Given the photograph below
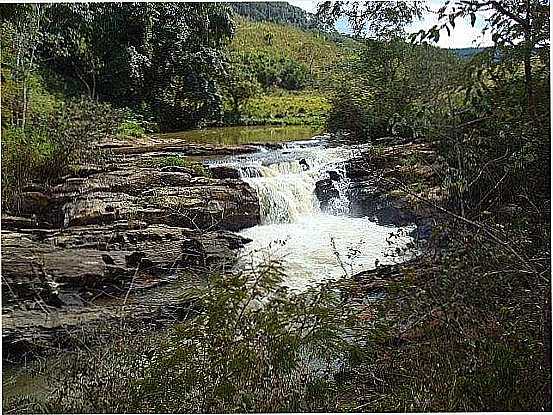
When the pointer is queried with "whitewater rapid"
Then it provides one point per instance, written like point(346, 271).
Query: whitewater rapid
point(311, 244)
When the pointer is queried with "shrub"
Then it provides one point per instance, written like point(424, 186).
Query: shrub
point(130, 129)
point(198, 168)
point(44, 151)
point(245, 346)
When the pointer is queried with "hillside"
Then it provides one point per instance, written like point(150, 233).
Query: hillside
point(276, 12)
point(314, 49)
point(466, 53)
point(272, 53)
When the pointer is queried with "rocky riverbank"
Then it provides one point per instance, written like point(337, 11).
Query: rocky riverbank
point(86, 250)
point(122, 239)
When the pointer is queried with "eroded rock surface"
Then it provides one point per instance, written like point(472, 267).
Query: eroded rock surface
point(106, 236)
point(378, 183)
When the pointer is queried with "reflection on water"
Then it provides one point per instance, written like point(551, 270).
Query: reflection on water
point(244, 135)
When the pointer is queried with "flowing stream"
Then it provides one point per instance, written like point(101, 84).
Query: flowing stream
point(313, 244)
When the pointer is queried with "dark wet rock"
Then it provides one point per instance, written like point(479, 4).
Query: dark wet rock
point(18, 222)
point(224, 172)
point(303, 164)
point(334, 176)
point(326, 191)
point(370, 199)
point(34, 202)
point(179, 169)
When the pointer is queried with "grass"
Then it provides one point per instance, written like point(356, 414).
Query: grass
point(197, 168)
point(301, 108)
point(130, 129)
point(313, 49)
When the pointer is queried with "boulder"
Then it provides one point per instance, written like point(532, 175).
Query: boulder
point(325, 191)
point(224, 172)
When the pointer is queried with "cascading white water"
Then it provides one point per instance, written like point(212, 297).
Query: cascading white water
point(312, 244)
point(286, 189)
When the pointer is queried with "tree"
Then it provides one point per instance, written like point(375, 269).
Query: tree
point(162, 58)
point(26, 22)
point(521, 25)
point(240, 83)
point(381, 19)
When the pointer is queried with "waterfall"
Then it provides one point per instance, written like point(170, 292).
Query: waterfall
point(285, 191)
point(314, 240)
point(286, 188)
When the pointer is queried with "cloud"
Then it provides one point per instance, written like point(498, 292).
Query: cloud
point(462, 36)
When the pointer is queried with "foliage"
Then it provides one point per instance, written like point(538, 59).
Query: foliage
point(245, 345)
point(161, 59)
point(469, 329)
point(240, 84)
point(273, 70)
point(45, 150)
point(518, 31)
point(276, 12)
point(389, 90)
point(286, 108)
point(268, 42)
point(169, 161)
point(382, 20)
point(130, 129)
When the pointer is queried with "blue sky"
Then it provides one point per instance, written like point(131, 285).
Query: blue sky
point(463, 36)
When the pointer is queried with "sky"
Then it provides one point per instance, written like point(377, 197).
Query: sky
point(463, 36)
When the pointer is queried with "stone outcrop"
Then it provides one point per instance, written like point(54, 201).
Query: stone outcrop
point(109, 235)
point(377, 178)
point(93, 258)
point(325, 192)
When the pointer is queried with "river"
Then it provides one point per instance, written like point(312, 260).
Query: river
point(312, 243)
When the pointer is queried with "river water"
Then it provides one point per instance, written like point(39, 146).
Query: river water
point(312, 244)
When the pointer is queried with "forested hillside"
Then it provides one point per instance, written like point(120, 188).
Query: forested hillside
point(282, 74)
point(276, 12)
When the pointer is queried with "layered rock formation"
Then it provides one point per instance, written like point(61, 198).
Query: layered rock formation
point(99, 240)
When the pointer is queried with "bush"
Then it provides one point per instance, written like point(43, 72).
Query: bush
point(245, 346)
point(45, 150)
point(130, 129)
point(198, 168)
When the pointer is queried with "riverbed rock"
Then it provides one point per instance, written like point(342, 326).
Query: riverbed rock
point(326, 191)
point(378, 178)
point(224, 172)
point(116, 230)
point(96, 257)
point(231, 206)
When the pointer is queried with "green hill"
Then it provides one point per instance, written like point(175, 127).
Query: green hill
point(314, 49)
point(317, 54)
point(276, 12)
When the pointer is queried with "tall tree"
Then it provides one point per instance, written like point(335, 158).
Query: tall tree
point(380, 19)
point(26, 23)
point(521, 25)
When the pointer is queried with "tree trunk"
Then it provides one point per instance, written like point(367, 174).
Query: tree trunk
point(527, 61)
